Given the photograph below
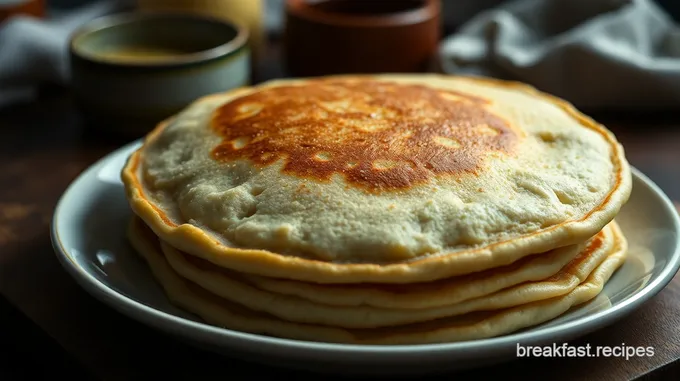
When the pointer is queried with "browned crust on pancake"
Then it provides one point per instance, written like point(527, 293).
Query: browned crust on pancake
point(359, 129)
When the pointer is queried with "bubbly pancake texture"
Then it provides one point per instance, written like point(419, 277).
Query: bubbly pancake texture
point(387, 179)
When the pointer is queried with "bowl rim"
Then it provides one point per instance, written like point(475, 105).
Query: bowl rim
point(237, 43)
point(305, 9)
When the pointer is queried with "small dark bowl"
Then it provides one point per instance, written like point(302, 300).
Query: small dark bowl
point(360, 36)
point(131, 94)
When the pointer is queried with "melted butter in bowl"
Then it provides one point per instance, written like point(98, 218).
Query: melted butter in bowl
point(135, 53)
point(130, 71)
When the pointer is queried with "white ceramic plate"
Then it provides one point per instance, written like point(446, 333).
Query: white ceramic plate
point(88, 233)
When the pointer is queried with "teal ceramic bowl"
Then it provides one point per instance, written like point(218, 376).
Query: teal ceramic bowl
point(130, 71)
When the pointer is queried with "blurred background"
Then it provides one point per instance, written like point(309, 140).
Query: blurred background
point(598, 54)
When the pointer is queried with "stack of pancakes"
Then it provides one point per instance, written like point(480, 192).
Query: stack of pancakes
point(390, 209)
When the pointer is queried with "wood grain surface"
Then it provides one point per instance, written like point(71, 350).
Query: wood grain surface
point(44, 146)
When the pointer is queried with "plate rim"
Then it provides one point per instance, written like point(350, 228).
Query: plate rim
point(224, 337)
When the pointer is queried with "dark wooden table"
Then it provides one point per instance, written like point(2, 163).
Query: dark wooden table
point(50, 327)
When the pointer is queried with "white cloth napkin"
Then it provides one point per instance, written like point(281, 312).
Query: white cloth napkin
point(35, 51)
point(612, 54)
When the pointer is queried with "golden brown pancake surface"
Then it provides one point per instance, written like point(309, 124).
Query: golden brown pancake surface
point(378, 135)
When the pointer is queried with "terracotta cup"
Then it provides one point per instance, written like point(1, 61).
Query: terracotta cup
point(360, 36)
point(8, 8)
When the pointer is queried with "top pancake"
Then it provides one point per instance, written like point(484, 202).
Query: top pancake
point(388, 179)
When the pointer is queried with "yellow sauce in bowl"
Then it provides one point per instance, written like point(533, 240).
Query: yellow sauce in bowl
point(142, 53)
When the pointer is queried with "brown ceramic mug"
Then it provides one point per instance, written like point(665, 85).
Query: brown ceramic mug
point(360, 36)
